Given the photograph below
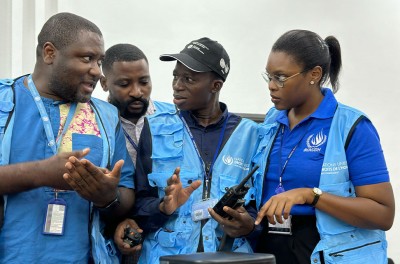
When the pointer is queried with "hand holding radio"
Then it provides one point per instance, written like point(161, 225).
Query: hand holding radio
point(234, 196)
point(132, 237)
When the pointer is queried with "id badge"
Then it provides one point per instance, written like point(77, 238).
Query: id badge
point(284, 229)
point(55, 217)
point(200, 209)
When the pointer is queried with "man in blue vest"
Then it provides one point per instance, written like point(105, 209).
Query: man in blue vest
point(206, 149)
point(126, 76)
point(52, 215)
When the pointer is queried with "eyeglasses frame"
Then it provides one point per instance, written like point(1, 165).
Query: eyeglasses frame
point(268, 79)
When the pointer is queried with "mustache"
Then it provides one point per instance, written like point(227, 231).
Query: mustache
point(142, 100)
point(124, 104)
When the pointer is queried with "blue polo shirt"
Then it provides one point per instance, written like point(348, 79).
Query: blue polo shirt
point(307, 141)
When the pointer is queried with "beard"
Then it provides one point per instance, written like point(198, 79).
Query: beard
point(123, 107)
point(66, 91)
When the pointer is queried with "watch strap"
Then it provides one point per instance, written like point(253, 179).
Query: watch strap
point(113, 204)
point(316, 197)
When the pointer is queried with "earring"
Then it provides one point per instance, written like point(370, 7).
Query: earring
point(312, 82)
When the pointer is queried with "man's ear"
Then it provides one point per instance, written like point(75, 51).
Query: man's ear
point(49, 52)
point(217, 85)
point(103, 82)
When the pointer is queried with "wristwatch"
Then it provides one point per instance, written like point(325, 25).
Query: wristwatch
point(317, 193)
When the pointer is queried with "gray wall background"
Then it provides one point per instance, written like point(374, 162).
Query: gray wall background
point(368, 30)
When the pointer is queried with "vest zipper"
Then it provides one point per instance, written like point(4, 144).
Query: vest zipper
point(338, 254)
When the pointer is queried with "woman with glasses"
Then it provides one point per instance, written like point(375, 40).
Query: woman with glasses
point(323, 187)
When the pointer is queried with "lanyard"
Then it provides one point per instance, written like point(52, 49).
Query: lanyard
point(134, 145)
point(279, 188)
point(221, 137)
point(52, 142)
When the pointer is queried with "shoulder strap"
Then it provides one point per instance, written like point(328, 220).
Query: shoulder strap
point(349, 136)
point(12, 110)
point(13, 100)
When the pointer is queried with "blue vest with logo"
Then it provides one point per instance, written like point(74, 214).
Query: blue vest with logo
point(340, 242)
point(172, 147)
point(102, 250)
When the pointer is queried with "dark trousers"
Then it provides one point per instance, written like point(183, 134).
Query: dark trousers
point(291, 249)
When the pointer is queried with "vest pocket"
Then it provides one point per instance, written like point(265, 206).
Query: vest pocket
point(170, 239)
point(159, 180)
point(364, 251)
point(5, 109)
point(226, 182)
point(344, 251)
point(95, 143)
point(344, 189)
point(167, 145)
point(167, 141)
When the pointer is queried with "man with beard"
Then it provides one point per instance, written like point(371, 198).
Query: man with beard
point(52, 211)
point(127, 79)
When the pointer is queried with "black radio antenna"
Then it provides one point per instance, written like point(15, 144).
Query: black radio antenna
point(245, 179)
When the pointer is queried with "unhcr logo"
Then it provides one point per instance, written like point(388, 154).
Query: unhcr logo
point(227, 159)
point(314, 142)
point(235, 161)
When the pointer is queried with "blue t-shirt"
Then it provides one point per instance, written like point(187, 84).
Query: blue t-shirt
point(25, 212)
point(307, 141)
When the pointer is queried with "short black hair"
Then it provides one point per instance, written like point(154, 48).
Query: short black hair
point(62, 29)
point(122, 52)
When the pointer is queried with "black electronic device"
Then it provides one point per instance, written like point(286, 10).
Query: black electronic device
point(234, 196)
point(219, 257)
point(132, 237)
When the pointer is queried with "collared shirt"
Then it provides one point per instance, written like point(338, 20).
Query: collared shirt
point(207, 138)
point(134, 130)
point(364, 153)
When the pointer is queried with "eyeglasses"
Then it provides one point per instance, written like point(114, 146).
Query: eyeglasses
point(278, 80)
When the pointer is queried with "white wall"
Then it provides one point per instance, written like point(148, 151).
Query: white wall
point(368, 30)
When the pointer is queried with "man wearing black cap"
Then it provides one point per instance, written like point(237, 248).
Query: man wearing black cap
point(206, 148)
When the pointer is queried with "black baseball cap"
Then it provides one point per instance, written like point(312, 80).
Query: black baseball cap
point(203, 55)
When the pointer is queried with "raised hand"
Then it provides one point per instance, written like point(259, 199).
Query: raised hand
point(175, 194)
point(91, 182)
point(54, 167)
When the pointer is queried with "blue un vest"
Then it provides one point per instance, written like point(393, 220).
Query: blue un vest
point(102, 250)
point(172, 147)
point(340, 242)
point(164, 107)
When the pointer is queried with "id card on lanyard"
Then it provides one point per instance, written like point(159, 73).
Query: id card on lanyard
point(55, 216)
point(286, 227)
point(200, 208)
point(56, 208)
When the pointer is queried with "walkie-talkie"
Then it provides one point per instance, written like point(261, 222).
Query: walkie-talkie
point(234, 196)
point(132, 237)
